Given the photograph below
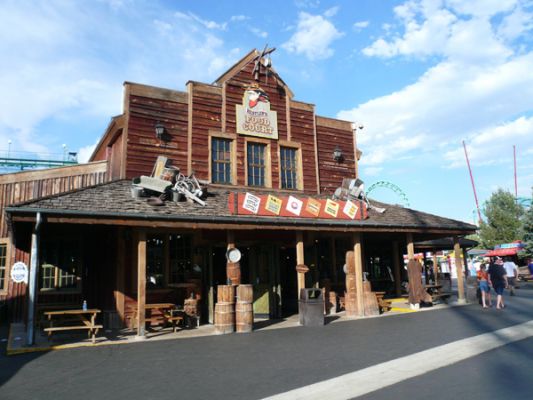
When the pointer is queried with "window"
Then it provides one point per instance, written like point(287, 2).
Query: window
point(288, 169)
point(256, 164)
point(60, 265)
point(220, 160)
point(181, 267)
point(155, 262)
point(3, 268)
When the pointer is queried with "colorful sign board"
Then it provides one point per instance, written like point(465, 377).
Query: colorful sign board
point(295, 207)
point(254, 117)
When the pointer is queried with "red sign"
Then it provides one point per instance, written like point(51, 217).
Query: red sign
point(295, 207)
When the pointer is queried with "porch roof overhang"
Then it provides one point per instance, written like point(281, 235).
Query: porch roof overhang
point(112, 204)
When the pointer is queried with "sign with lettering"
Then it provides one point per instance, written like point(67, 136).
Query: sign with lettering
point(254, 117)
point(251, 203)
point(19, 272)
point(295, 207)
point(273, 204)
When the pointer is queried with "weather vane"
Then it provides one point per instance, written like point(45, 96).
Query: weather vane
point(262, 62)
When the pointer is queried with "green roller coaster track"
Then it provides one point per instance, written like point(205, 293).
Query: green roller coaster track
point(391, 186)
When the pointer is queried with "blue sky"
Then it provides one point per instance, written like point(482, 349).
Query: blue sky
point(421, 76)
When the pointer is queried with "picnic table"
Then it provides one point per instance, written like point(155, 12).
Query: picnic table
point(66, 320)
point(436, 293)
point(162, 312)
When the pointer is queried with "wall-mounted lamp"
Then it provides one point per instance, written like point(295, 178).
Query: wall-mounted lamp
point(159, 130)
point(337, 154)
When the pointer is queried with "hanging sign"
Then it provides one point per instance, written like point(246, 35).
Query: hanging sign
point(254, 117)
point(292, 206)
point(19, 272)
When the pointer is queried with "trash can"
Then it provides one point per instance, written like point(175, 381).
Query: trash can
point(311, 307)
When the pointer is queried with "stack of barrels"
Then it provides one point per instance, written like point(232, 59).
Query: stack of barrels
point(244, 311)
point(225, 309)
point(350, 296)
point(231, 316)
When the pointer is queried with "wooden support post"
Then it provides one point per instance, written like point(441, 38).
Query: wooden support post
point(32, 283)
point(358, 273)
point(465, 261)
point(230, 238)
point(459, 269)
point(233, 270)
point(410, 246)
point(120, 274)
point(396, 266)
point(300, 260)
point(435, 267)
point(141, 282)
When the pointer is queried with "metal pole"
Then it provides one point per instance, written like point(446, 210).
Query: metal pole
point(34, 265)
point(515, 182)
point(472, 180)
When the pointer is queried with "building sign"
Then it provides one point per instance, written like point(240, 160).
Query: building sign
point(273, 204)
point(254, 117)
point(19, 272)
point(295, 207)
point(251, 203)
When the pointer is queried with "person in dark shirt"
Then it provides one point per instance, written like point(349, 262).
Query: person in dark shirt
point(498, 280)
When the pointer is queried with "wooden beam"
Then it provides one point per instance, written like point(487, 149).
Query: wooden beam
point(141, 282)
point(396, 266)
point(300, 260)
point(154, 92)
point(459, 269)
point(333, 123)
point(58, 172)
point(435, 266)
point(358, 273)
point(410, 246)
point(120, 274)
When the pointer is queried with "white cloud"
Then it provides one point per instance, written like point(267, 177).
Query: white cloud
point(205, 23)
point(331, 12)
point(480, 87)
point(313, 37)
point(258, 32)
point(84, 153)
point(360, 25)
point(235, 18)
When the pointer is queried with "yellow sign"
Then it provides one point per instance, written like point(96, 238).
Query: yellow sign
point(273, 204)
point(313, 207)
point(350, 209)
point(332, 208)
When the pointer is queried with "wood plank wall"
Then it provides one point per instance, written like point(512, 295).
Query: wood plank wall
point(303, 131)
point(331, 133)
point(31, 185)
point(142, 146)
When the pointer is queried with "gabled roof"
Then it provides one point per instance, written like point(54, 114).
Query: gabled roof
point(114, 199)
point(241, 64)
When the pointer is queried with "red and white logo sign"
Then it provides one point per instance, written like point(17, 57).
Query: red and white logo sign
point(294, 206)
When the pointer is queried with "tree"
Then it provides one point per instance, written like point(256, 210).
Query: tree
point(527, 227)
point(503, 223)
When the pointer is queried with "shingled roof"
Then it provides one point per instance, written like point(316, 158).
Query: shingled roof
point(114, 199)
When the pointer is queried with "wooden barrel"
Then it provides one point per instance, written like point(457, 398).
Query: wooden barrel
point(350, 283)
point(224, 318)
point(233, 272)
point(244, 316)
point(350, 262)
point(225, 294)
point(245, 293)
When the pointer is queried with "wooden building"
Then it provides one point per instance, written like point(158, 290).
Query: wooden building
point(252, 141)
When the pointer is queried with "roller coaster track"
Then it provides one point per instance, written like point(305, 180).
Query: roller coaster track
point(391, 186)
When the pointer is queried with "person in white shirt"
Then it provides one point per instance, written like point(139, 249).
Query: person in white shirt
point(512, 273)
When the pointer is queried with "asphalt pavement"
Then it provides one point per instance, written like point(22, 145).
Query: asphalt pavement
point(265, 363)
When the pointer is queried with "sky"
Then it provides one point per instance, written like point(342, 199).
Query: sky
point(420, 76)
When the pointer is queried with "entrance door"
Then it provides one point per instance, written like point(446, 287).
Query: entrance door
point(288, 281)
point(264, 275)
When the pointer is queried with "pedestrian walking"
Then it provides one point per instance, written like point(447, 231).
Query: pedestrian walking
point(483, 280)
point(512, 273)
point(498, 280)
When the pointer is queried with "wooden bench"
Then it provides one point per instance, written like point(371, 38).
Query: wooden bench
point(42, 308)
point(441, 296)
point(68, 320)
point(174, 317)
point(384, 304)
